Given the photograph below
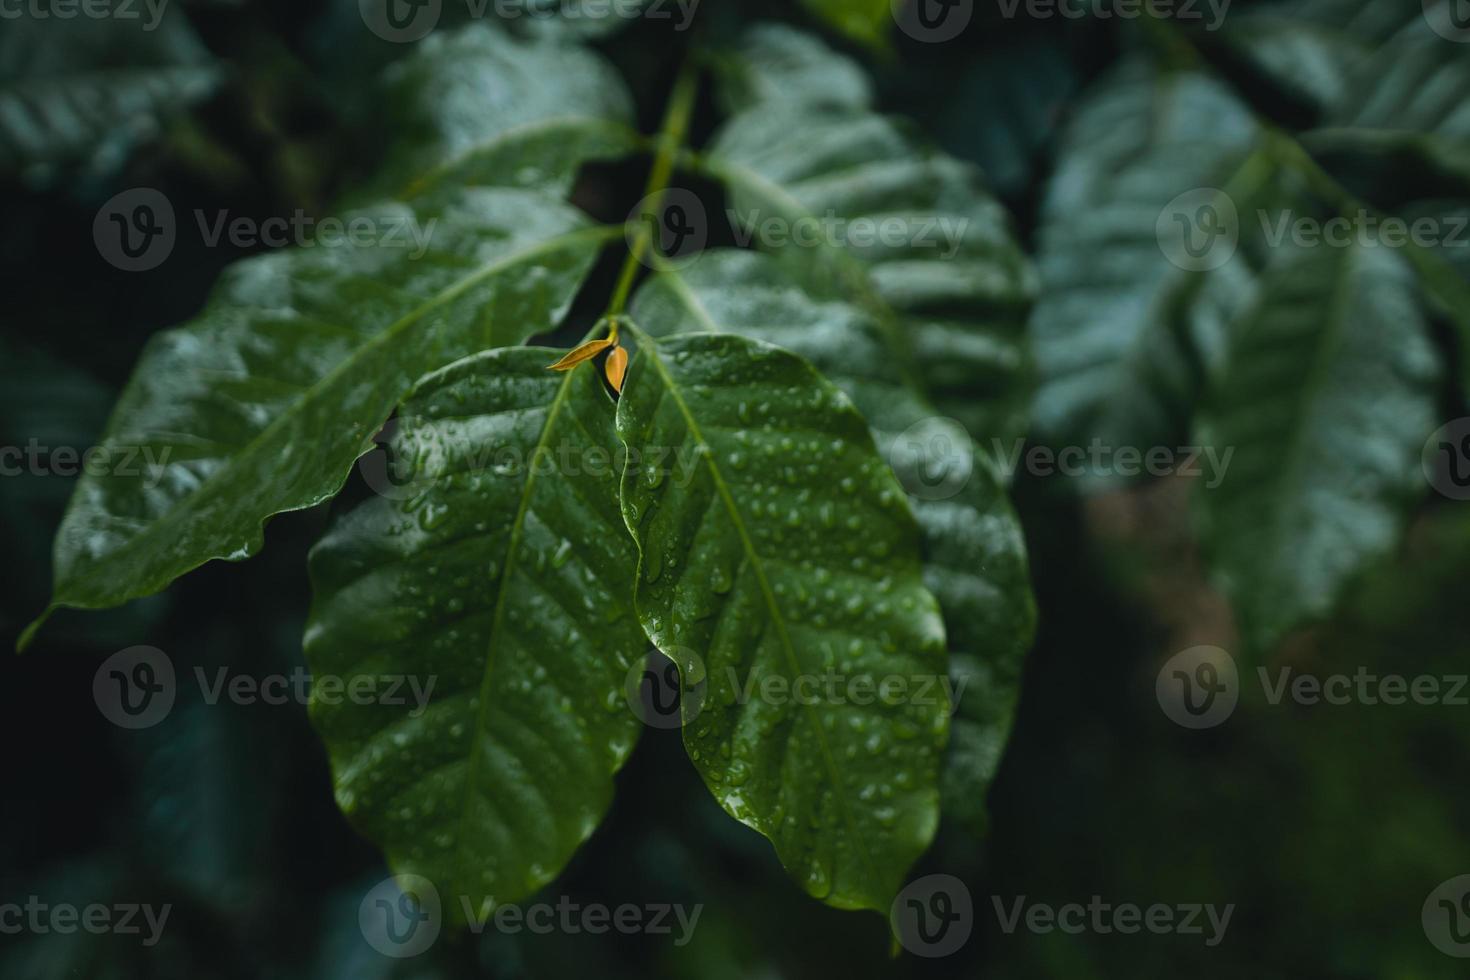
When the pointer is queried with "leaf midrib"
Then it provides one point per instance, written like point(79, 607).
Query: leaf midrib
point(512, 563)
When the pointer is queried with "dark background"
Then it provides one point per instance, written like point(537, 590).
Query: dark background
point(1326, 827)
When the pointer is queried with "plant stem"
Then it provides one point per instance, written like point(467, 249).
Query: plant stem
point(669, 142)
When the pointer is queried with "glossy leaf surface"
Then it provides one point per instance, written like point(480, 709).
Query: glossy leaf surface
point(495, 563)
point(787, 555)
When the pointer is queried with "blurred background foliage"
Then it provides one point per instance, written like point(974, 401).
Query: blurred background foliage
point(1326, 826)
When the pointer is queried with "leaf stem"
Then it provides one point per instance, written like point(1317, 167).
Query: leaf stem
point(669, 142)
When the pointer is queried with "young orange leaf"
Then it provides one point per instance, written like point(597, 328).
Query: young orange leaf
point(616, 367)
point(579, 354)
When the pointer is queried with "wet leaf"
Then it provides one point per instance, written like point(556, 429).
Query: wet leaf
point(261, 404)
point(781, 549)
point(497, 566)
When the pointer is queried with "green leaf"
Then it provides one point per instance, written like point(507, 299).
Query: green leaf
point(774, 63)
point(1328, 399)
point(868, 21)
point(1383, 79)
point(478, 107)
point(947, 276)
point(498, 565)
point(1408, 95)
point(787, 551)
point(1125, 336)
point(1310, 48)
point(985, 710)
point(76, 96)
point(261, 404)
point(973, 551)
